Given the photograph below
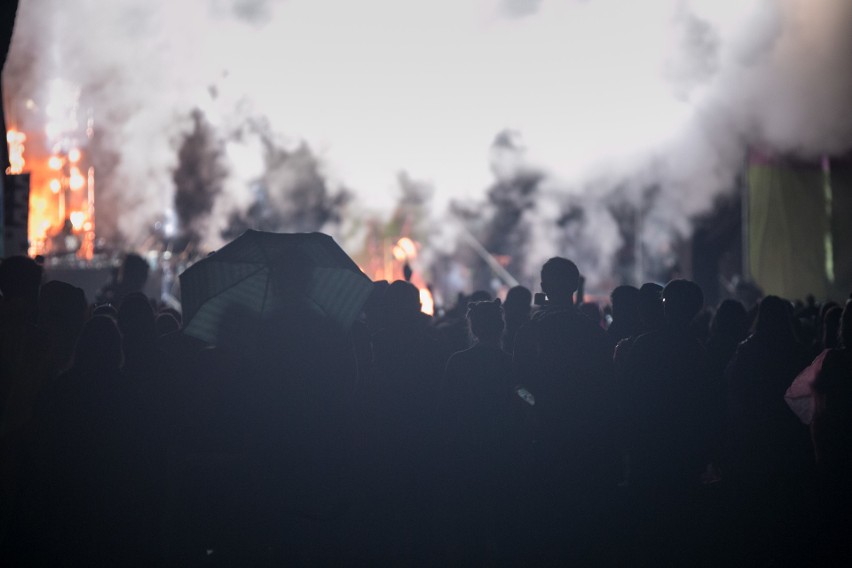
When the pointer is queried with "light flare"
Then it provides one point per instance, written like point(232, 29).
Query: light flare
point(408, 248)
point(78, 219)
point(15, 140)
point(76, 181)
point(398, 253)
point(427, 303)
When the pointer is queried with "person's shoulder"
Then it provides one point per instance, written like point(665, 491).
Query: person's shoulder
point(643, 340)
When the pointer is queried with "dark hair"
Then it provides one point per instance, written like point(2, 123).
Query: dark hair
point(518, 302)
point(560, 273)
point(682, 300)
point(730, 319)
point(486, 319)
point(773, 319)
point(134, 272)
point(625, 301)
point(401, 300)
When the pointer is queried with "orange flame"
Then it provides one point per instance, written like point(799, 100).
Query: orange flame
point(51, 204)
point(16, 141)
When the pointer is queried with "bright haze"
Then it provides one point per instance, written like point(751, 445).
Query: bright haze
point(603, 95)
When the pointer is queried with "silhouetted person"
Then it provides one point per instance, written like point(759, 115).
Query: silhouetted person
point(402, 402)
point(767, 437)
point(517, 308)
point(649, 307)
point(139, 336)
point(625, 314)
point(20, 278)
point(91, 493)
point(45, 350)
point(831, 432)
point(476, 408)
point(770, 451)
point(668, 426)
point(130, 277)
point(564, 362)
point(728, 329)
point(669, 389)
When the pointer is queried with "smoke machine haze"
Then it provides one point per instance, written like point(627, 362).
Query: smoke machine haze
point(532, 121)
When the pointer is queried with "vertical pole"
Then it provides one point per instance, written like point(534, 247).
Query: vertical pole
point(828, 241)
point(744, 218)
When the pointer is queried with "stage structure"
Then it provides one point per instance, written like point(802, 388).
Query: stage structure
point(50, 145)
point(798, 226)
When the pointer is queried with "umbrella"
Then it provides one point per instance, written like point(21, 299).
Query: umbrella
point(232, 290)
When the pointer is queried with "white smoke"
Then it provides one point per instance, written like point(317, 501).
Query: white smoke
point(611, 96)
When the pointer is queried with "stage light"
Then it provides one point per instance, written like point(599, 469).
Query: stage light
point(77, 218)
point(77, 181)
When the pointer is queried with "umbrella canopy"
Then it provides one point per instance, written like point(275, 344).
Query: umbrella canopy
point(259, 274)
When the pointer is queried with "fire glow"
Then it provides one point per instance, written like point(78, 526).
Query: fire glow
point(388, 261)
point(61, 199)
point(16, 141)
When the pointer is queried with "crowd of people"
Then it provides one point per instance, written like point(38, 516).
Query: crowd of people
point(650, 431)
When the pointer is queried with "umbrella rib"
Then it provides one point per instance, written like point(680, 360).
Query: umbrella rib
point(222, 291)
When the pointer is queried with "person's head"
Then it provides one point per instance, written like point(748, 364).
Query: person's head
point(62, 306)
point(99, 346)
point(136, 319)
point(20, 278)
point(133, 273)
point(486, 321)
point(682, 300)
point(401, 301)
point(518, 303)
point(625, 302)
point(560, 278)
point(730, 320)
point(774, 318)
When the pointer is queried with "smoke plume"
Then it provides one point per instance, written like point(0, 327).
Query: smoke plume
point(630, 112)
point(198, 179)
